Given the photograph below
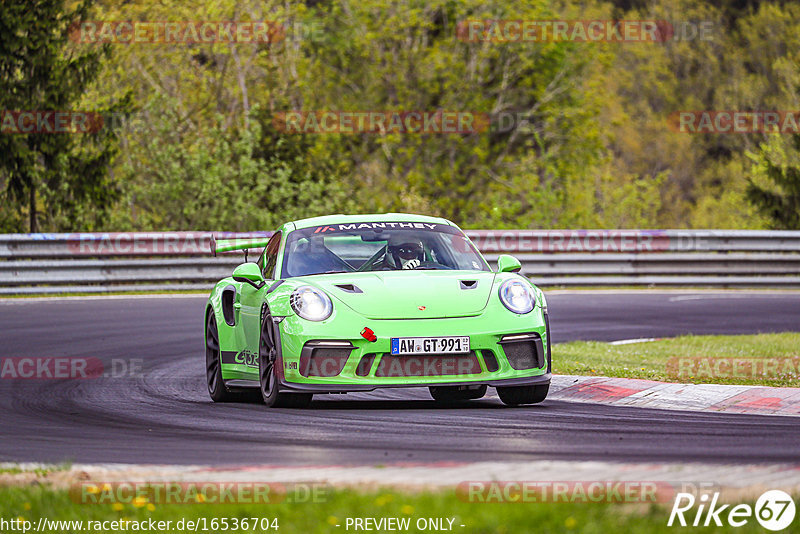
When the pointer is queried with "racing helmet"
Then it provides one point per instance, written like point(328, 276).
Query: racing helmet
point(406, 252)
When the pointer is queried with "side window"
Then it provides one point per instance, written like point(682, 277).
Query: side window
point(270, 257)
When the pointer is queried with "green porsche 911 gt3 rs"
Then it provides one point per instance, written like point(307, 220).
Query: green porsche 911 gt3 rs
point(353, 303)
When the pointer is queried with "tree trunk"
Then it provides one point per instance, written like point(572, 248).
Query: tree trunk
point(32, 210)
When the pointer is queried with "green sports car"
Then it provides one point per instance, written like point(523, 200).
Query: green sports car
point(347, 303)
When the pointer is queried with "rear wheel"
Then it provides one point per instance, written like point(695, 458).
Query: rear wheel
point(457, 393)
point(516, 395)
point(216, 387)
point(268, 351)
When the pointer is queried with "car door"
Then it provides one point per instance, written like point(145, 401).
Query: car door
point(251, 298)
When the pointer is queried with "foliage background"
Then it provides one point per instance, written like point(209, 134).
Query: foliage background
point(199, 149)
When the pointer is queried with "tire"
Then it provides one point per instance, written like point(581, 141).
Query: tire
point(268, 357)
point(216, 386)
point(455, 393)
point(516, 395)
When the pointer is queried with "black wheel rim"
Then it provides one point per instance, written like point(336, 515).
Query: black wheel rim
point(267, 354)
point(212, 354)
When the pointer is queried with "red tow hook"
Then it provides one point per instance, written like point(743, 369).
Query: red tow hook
point(369, 335)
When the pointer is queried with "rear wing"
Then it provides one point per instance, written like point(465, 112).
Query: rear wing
point(229, 245)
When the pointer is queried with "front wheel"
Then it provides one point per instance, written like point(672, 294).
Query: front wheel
point(268, 360)
point(516, 395)
point(449, 394)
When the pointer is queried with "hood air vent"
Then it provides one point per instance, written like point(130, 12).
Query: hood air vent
point(349, 288)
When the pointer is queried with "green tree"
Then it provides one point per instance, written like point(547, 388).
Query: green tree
point(531, 170)
point(57, 181)
point(202, 152)
point(777, 196)
point(234, 179)
point(594, 148)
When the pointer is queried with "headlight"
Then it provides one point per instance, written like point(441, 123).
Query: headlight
point(310, 303)
point(517, 296)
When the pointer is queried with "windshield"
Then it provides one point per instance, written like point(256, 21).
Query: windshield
point(379, 246)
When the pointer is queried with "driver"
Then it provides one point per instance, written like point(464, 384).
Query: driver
point(407, 254)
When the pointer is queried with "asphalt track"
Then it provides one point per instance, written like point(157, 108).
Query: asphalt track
point(165, 415)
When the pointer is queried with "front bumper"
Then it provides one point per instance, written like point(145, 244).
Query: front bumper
point(486, 332)
point(351, 388)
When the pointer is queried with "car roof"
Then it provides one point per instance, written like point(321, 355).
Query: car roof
point(372, 217)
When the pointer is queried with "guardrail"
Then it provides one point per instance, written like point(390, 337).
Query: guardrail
point(69, 263)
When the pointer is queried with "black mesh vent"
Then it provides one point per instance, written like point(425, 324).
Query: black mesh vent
point(323, 361)
point(524, 354)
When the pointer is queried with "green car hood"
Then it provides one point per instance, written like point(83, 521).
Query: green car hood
point(410, 295)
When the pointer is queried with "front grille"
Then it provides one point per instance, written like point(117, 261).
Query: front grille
point(323, 361)
point(427, 365)
point(524, 353)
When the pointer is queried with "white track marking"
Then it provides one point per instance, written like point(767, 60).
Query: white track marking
point(632, 341)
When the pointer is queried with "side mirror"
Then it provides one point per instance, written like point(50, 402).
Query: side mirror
point(508, 264)
point(249, 273)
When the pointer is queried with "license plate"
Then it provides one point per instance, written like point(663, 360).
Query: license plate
point(430, 345)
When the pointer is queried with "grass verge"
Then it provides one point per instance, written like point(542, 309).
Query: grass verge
point(31, 503)
point(759, 360)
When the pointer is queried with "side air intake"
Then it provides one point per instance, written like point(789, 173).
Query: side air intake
point(523, 351)
point(324, 358)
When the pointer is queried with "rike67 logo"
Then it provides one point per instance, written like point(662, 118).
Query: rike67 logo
point(774, 510)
